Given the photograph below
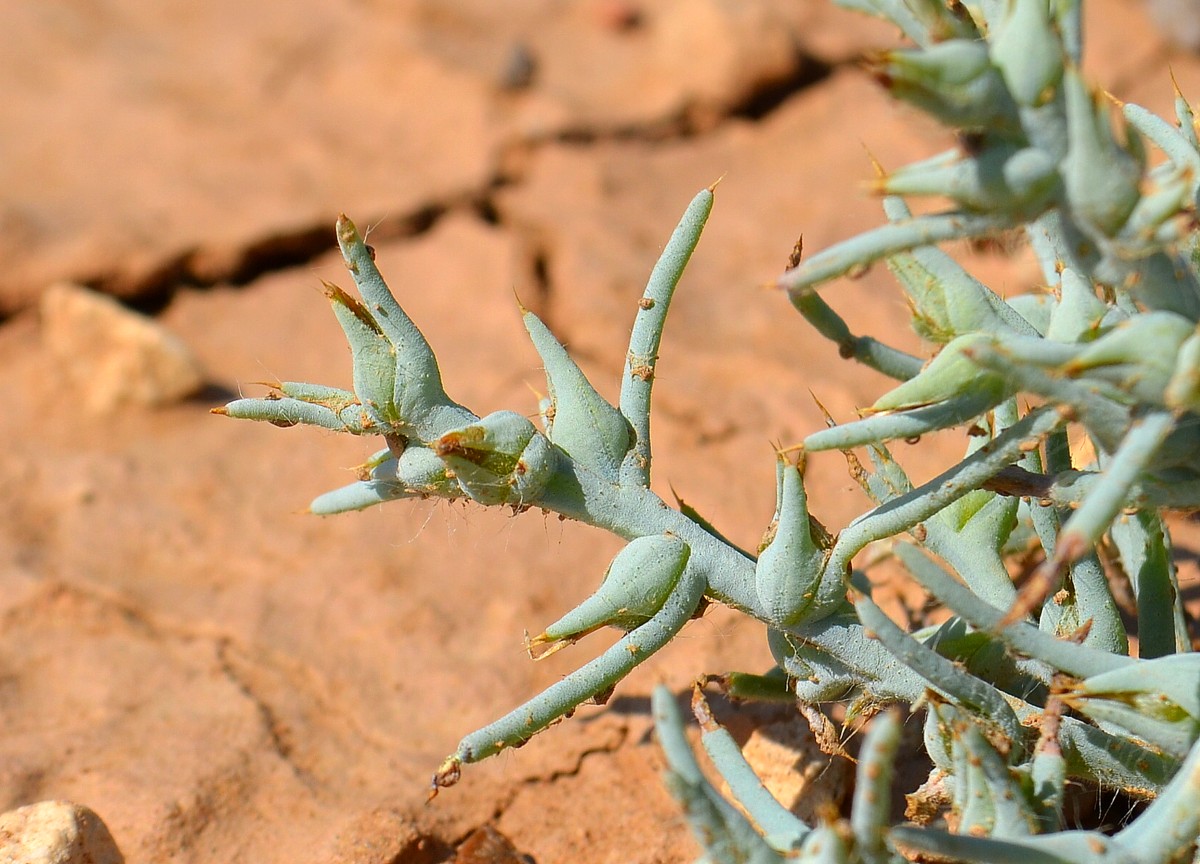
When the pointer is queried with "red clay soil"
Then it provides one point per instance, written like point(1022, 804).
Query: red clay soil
point(221, 677)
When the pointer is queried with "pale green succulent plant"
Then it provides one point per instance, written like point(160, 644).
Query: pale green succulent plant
point(1024, 692)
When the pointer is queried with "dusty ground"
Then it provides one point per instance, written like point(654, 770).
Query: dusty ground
point(222, 678)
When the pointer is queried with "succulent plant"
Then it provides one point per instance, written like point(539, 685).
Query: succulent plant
point(1026, 692)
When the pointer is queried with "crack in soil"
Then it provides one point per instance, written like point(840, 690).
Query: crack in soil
point(225, 645)
point(697, 119)
point(286, 249)
point(770, 96)
point(276, 252)
point(617, 738)
point(278, 732)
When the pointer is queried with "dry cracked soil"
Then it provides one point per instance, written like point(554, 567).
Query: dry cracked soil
point(217, 675)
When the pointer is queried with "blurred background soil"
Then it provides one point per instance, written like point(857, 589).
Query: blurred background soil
point(221, 677)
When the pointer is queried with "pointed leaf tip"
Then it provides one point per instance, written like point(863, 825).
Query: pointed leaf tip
point(339, 297)
point(880, 173)
point(635, 587)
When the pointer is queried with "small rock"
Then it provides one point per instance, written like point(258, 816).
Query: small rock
point(486, 845)
point(619, 16)
point(56, 832)
point(114, 356)
point(520, 67)
point(381, 836)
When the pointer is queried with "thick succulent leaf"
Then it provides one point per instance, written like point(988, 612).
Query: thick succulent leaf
point(638, 377)
point(780, 828)
point(499, 459)
point(725, 834)
point(417, 402)
point(954, 81)
point(1002, 178)
point(1156, 700)
point(597, 677)
point(1077, 315)
point(1141, 541)
point(286, 411)
point(1028, 52)
point(946, 300)
point(588, 428)
point(871, 808)
point(1102, 178)
point(789, 569)
point(636, 585)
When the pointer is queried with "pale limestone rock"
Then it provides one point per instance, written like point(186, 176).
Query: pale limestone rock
point(56, 832)
point(114, 356)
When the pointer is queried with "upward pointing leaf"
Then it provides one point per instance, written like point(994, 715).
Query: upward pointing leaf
point(592, 431)
point(790, 567)
point(638, 377)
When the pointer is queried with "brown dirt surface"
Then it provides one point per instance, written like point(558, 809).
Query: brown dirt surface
point(221, 677)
